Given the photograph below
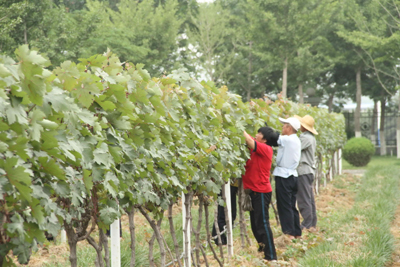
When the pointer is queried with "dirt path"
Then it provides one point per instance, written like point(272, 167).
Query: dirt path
point(354, 172)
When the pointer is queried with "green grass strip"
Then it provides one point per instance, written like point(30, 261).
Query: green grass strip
point(361, 236)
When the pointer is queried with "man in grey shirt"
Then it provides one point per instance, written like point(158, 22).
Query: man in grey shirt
point(305, 170)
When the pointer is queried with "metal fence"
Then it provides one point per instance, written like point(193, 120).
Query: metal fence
point(370, 129)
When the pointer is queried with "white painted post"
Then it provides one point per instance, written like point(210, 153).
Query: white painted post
point(378, 123)
point(398, 142)
point(115, 244)
point(336, 162)
point(229, 227)
point(340, 161)
point(63, 235)
point(187, 236)
point(398, 131)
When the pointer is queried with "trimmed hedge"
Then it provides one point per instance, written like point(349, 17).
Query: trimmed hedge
point(358, 151)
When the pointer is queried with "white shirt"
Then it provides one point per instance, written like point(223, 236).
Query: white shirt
point(288, 156)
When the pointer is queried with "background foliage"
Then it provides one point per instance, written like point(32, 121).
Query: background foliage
point(295, 46)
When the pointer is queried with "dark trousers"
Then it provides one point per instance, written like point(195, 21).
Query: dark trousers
point(259, 219)
point(221, 216)
point(306, 201)
point(286, 191)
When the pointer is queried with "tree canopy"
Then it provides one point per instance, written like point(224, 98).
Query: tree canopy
point(256, 48)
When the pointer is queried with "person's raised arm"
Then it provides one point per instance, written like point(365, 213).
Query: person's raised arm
point(249, 140)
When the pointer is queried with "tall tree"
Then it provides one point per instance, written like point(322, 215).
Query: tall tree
point(356, 13)
point(248, 75)
point(138, 32)
point(214, 43)
point(51, 28)
point(281, 28)
point(20, 22)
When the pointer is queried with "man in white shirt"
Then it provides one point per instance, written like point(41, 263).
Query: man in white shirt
point(285, 173)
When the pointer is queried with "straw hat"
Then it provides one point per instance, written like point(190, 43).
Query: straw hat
point(307, 122)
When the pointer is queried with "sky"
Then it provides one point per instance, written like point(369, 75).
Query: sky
point(366, 103)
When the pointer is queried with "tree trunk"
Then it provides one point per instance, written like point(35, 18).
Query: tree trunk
point(192, 232)
point(104, 242)
point(357, 113)
point(151, 250)
point(99, 258)
point(197, 233)
point(72, 242)
point(218, 230)
point(106, 249)
point(25, 33)
point(241, 213)
point(2, 258)
point(249, 74)
point(373, 122)
point(330, 103)
point(243, 232)
point(3, 238)
point(301, 95)
point(318, 173)
point(167, 248)
point(205, 256)
point(209, 235)
point(273, 201)
point(157, 233)
point(382, 128)
point(81, 234)
point(173, 234)
point(131, 216)
point(332, 169)
point(284, 78)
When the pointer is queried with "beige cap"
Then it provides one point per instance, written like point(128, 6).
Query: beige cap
point(294, 122)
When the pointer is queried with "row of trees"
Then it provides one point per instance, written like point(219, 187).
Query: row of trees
point(84, 143)
point(341, 48)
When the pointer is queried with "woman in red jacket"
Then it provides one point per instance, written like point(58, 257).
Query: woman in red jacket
point(256, 178)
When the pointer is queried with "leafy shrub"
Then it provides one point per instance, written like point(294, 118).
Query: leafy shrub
point(358, 151)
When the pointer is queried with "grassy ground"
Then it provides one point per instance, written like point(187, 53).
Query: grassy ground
point(381, 161)
point(356, 227)
point(362, 235)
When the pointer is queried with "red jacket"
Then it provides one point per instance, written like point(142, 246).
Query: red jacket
point(258, 169)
